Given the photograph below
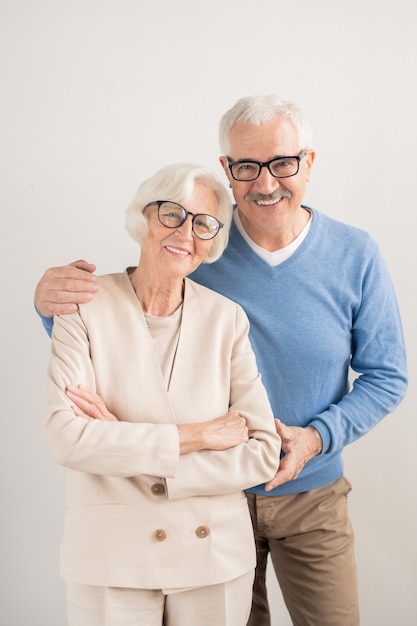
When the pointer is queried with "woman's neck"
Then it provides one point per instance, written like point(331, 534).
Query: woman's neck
point(157, 297)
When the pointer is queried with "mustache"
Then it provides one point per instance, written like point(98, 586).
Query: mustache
point(261, 197)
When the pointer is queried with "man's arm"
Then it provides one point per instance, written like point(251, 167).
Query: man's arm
point(379, 359)
point(61, 289)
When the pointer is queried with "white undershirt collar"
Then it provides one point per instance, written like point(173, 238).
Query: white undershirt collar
point(277, 256)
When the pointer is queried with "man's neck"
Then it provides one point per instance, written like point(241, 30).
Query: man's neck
point(280, 237)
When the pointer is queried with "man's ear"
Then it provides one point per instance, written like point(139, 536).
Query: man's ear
point(310, 156)
point(223, 163)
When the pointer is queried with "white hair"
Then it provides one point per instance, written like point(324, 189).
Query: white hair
point(176, 183)
point(258, 110)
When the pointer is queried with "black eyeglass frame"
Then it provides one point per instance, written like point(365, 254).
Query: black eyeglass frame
point(267, 164)
point(186, 213)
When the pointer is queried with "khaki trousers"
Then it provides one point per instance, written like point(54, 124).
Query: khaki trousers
point(226, 604)
point(310, 540)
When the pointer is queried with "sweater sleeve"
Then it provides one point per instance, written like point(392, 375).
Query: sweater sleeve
point(47, 322)
point(378, 360)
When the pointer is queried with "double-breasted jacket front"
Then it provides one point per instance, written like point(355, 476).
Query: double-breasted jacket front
point(137, 513)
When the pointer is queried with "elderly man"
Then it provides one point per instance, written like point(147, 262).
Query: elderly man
point(320, 302)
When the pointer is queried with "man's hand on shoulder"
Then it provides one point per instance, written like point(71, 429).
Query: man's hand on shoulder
point(62, 289)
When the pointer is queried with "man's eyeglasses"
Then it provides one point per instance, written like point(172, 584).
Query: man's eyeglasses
point(173, 215)
point(280, 167)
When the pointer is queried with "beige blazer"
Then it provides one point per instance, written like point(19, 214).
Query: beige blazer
point(137, 513)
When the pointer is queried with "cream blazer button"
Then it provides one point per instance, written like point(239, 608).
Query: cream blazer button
point(202, 532)
point(158, 489)
point(160, 534)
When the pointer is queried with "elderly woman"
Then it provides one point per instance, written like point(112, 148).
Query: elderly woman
point(156, 407)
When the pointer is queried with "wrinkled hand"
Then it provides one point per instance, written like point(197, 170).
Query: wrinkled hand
point(299, 446)
point(89, 404)
point(61, 289)
point(222, 433)
point(227, 431)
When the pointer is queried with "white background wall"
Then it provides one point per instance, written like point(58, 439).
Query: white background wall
point(97, 95)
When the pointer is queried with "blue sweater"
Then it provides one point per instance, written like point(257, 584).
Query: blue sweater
point(331, 305)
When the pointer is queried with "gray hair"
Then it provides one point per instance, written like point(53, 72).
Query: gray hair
point(176, 183)
point(258, 110)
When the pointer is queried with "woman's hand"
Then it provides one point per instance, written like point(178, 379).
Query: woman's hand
point(222, 433)
point(89, 404)
point(218, 434)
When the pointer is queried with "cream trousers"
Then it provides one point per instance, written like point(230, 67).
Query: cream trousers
point(226, 604)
